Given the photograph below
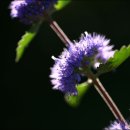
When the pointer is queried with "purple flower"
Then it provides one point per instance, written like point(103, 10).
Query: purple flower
point(117, 126)
point(90, 51)
point(30, 11)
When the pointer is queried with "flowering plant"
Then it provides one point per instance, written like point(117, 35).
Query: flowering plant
point(89, 57)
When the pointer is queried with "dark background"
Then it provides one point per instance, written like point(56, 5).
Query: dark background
point(27, 98)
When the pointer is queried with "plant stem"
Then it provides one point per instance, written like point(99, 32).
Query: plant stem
point(108, 100)
point(56, 28)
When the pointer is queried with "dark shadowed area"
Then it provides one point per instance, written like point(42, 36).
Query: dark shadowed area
point(28, 101)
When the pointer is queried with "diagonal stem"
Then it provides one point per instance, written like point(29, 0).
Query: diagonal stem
point(108, 100)
point(56, 28)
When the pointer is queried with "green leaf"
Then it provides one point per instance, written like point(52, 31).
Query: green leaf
point(25, 40)
point(74, 100)
point(61, 4)
point(119, 57)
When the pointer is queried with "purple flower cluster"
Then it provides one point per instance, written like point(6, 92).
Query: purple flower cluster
point(117, 126)
point(90, 51)
point(30, 11)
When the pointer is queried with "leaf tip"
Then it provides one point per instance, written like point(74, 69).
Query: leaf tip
point(61, 4)
point(17, 59)
point(71, 100)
